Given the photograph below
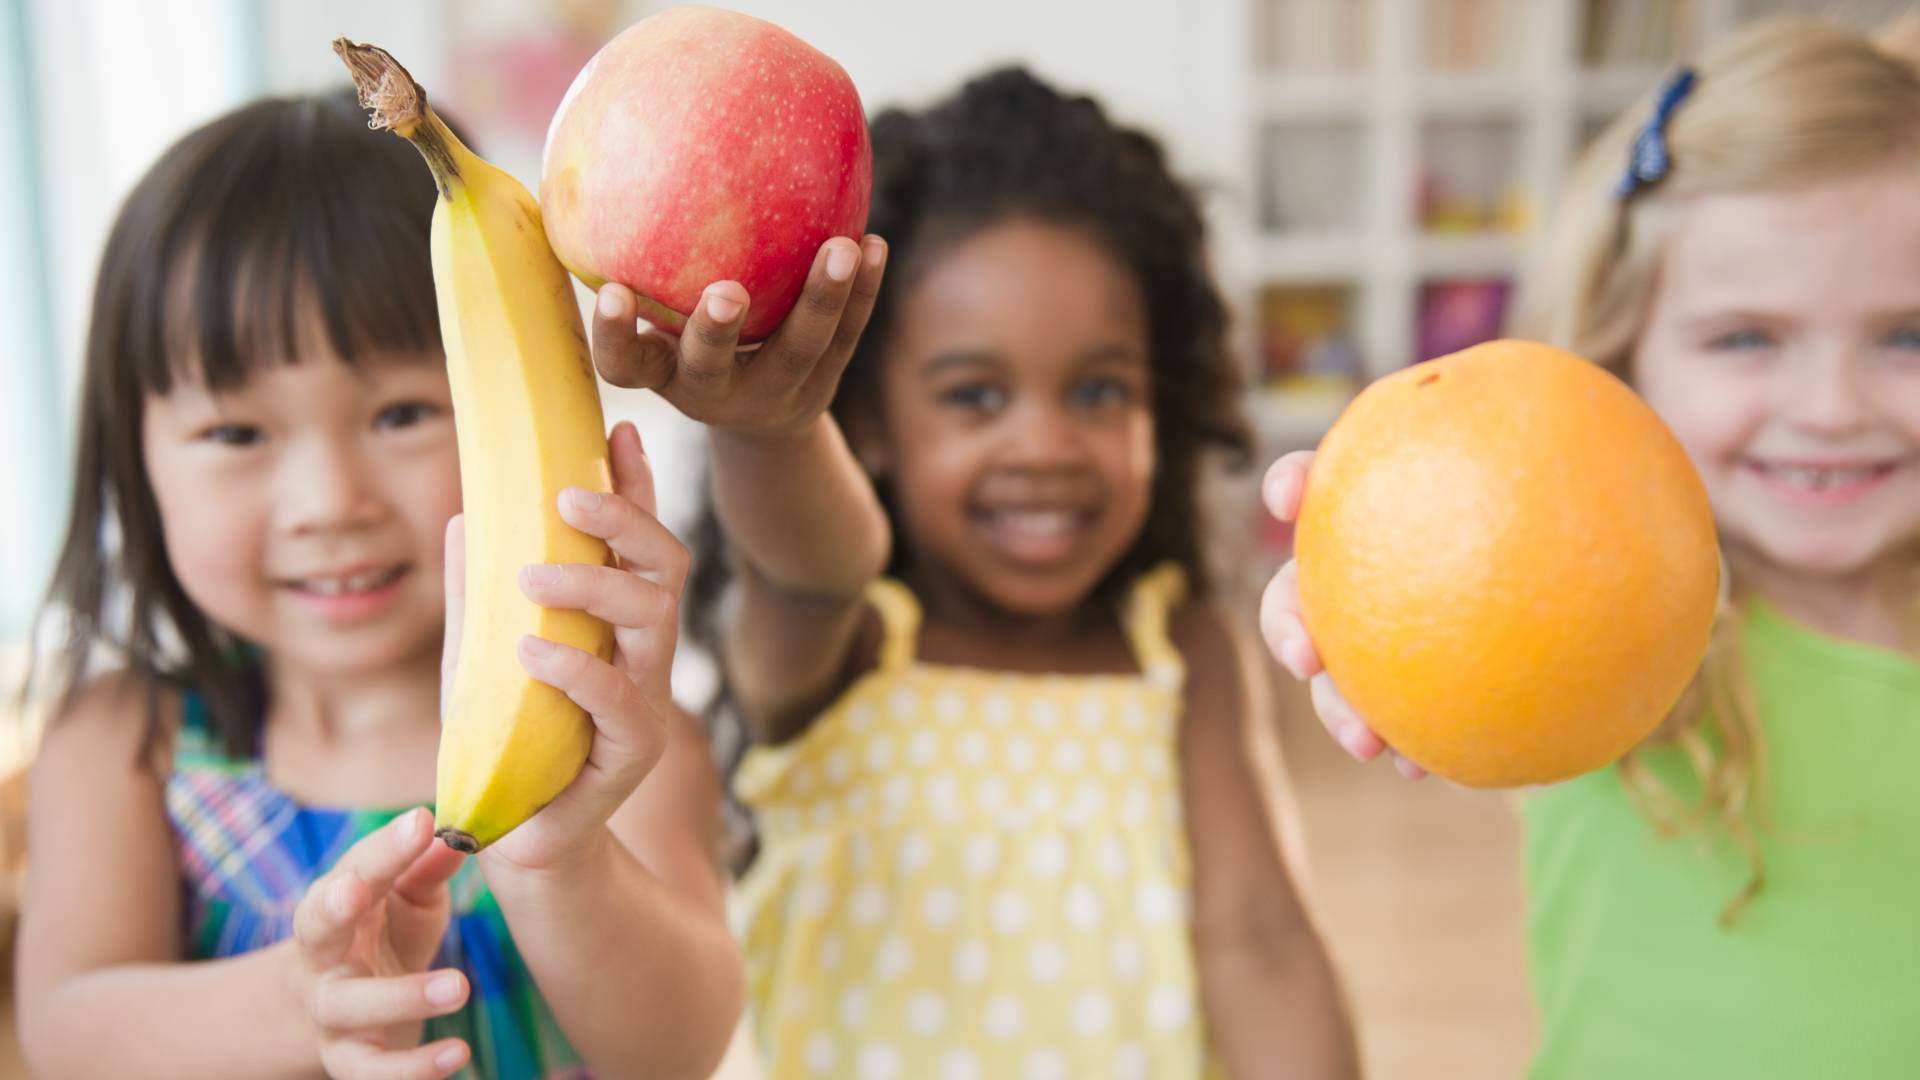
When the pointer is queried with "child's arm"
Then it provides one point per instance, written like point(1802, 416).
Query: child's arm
point(1272, 1001)
point(102, 988)
point(628, 941)
point(612, 890)
point(805, 528)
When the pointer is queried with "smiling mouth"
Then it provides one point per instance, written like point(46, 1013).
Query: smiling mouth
point(1829, 480)
point(358, 583)
point(1034, 534)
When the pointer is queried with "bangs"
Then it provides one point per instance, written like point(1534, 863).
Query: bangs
point(290, 228)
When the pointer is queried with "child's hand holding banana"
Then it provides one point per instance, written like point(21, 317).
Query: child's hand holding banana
point(628, 698)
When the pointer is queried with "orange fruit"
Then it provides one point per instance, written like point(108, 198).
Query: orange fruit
point(1508, 564)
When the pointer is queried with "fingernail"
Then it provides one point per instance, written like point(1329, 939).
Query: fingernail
point(1285, 652)
point(583, 499)
point(451, 1057)
point(1353, 736)
point(543, 574)
point(840, 262)
point(875, 249)
point(538, 648)
point(1302, 654)
point(722, 309)
point(406, 826)
point(612, 304)
point(443, 989)
point(1274, 486)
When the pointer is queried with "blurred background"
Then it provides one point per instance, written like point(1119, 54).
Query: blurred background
point(1375, 170)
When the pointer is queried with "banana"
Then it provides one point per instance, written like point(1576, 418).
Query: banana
point(528, 423)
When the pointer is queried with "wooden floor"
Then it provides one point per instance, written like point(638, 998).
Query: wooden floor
point(1417, 887)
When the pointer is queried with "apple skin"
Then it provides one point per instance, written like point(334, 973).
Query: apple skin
point(702, 145)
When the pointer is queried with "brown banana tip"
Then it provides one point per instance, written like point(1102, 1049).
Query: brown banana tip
point(462, 842)
point(396, 100)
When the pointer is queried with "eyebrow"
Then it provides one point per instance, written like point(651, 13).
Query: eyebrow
point(1114, 353)
point(1731, 316)
point(1111, 353)
point(960, 358)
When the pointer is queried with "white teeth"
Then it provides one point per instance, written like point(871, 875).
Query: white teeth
point(1043, 522)
point(1814, 478)
point(365, 581)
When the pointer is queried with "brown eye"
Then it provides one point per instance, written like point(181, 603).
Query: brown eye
point(1096, 393)
point(975, 397)
point(233, 434)
point(405, 414)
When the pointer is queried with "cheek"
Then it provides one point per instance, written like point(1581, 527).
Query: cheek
point(1130, 458)
point(216, 533)
point(933, 476)
point(1899, 400)
point(1713, 416)
point(427, 493)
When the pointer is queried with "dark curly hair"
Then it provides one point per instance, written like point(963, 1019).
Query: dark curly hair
point(1006, 146)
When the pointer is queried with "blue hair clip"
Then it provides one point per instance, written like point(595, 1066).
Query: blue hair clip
point(1651, 160)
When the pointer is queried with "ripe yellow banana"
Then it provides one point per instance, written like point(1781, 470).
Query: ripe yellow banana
point(528, 420)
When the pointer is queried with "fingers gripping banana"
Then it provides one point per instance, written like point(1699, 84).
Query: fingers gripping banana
point(529, 423)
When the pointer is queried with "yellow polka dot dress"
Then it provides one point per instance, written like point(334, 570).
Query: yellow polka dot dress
point(971, 873)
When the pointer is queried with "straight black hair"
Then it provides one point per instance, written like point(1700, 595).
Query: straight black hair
point(248, 233)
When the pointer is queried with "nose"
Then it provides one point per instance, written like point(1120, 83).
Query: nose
point(1827, 398)
point(328, 486)
point(1044, 435)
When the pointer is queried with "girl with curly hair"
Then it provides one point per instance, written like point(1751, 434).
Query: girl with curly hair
point(1009, 821)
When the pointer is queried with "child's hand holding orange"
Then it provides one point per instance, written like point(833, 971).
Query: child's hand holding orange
point(1286, 633)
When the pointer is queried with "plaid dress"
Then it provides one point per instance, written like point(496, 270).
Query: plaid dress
point(247, 854)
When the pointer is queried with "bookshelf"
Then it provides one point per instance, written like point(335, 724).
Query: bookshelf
point(1402, 154)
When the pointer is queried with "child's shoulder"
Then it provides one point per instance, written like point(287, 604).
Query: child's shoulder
point(1220, 656)
point(105, 721)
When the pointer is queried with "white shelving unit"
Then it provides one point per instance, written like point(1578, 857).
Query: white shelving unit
point(1545, 95)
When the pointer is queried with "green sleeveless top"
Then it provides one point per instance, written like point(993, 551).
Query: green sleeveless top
point(1819, 976)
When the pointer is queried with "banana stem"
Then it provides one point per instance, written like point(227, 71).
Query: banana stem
point(399, 105)
point(462, 842)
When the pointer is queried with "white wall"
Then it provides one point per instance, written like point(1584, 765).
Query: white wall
point(1165, 65)
point(119, 80)
point(105, 87)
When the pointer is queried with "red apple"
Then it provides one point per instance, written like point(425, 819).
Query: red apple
point(700, 146)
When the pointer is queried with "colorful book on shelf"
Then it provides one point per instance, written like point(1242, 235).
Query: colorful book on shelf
point(1454, 315)
point(1466, 181)
point(1304, 332)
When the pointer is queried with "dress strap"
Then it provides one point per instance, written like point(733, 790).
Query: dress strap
point(199, 746)
point(899, 620)
point(1147, 616)
point(196, 745)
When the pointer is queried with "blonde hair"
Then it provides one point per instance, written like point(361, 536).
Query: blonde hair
point(1784, 104)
